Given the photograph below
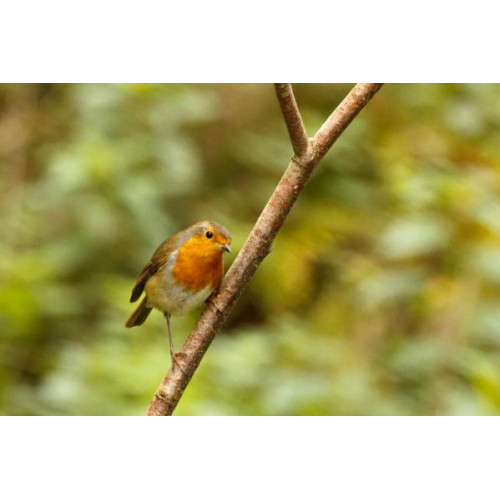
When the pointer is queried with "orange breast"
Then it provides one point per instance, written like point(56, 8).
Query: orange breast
point(198, 265)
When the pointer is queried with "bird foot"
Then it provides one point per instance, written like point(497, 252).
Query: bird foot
point(212, 306)
point(176, 357)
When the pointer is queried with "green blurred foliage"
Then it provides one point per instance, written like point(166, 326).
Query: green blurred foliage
point(381, 295)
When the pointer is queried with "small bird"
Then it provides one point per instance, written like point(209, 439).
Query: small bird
point(183, 272)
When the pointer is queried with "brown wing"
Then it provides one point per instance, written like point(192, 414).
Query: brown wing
point(158, 260)
point(146, 273)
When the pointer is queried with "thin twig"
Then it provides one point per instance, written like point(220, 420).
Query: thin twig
point(345, 112)
point(293, 119)
point(257, 246)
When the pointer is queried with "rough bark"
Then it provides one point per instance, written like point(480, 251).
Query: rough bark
point(293, 120)
point(308, 152)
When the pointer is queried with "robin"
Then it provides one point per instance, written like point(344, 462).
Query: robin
point(183, 272)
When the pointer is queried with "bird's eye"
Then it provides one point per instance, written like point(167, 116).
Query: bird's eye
point(209, 234)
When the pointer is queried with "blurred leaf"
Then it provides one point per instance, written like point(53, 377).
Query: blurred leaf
point(413, 237)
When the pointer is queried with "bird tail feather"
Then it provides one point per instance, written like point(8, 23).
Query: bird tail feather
point(139, 315)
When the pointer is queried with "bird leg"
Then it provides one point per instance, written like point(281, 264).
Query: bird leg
point(173, 355)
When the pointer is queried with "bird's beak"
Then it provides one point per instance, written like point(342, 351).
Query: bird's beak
point(226, 248)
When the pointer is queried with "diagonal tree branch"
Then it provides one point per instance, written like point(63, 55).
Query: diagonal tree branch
point(259, 241)
point(345, 112)
point(293, 120)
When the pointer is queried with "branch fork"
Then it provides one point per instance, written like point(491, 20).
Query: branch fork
point(307, 154)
